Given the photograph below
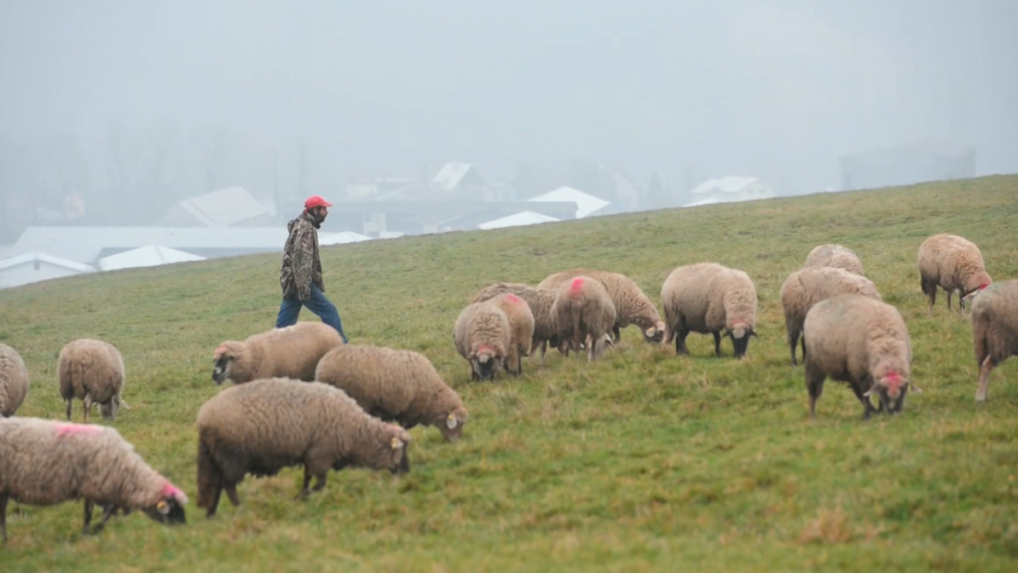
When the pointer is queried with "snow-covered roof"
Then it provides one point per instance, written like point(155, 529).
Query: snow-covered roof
point(705, 201)
point(390, 234)
point(224, 207)
point(341, 238)
point(585, 203)
point(517, 220)
point(147, 256)
point(450, 175)
point(730, 184)
point(29, 258)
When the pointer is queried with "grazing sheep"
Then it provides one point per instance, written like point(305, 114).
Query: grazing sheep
point(539, 300)
point(521, 330)
point(262, 426)
point(46, 462)
point(810, 285)
point(13, 381)
point(861, 341)
point(583, 311)
point(394, 385)
point(288, 352)
point(709, 298)
point(482, 336)
point(994, 329)
point(831, 255)
point(631, 305)
point(92, 371)
point(954, 264)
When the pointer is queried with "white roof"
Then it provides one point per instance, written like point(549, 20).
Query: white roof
point(43, 257)
point(83, 244)
point(730, 184)
point(390, 234)
point(224, 207)
point(341, 238)
point(706, 201)
point(450, 175)
point(517, 220)
point(586, 204)
point(147, 256)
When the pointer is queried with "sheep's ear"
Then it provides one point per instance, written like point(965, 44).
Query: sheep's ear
point(867, 393)
point(915, 388)
point(396, 443)
point(651, 331)
point(163, 507)
point(451, 421)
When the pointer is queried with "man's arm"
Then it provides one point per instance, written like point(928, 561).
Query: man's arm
point(302, 263)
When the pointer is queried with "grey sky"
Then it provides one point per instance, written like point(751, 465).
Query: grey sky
point(737, 87)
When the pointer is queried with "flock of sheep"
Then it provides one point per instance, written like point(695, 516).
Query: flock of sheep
point(303, 397)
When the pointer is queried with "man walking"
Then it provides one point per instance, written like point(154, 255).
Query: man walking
point(301, 273)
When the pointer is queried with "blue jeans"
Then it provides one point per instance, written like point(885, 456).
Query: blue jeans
point(289, 310)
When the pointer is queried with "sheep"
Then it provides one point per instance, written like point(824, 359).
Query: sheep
point(47, 462)
point(952, 263)
point(994, 329)
point(93, 371)
point(631, 305)
point(832, 255)
point(583, 311)
point(264, 425)
point(709, 298)
point(539, 300)
point(394, 385)
point(521, 330)
point(13, 381)
point(289, 352)
point(808, 286)
point(864, 342)
point(482, 336)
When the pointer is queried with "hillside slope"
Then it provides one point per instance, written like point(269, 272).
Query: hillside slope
point(644, 461)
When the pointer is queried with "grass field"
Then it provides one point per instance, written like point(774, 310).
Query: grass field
point(643, 461)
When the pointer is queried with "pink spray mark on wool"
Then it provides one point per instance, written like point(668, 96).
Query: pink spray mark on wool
point(76, 430)
point(219, 352)
point(176, 493)
point(894, 379)
point(513, 298)
point(487, 349)
point(577, 285)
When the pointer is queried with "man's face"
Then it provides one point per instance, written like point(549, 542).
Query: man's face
point(320, 213)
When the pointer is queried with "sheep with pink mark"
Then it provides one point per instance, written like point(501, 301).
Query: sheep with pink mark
point(46, 462)
point(482, 336)
point(863, 342)
point(585, 314)
point(289, 352)
point(954, 264)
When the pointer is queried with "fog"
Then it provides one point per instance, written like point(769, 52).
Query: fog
point(181, 97)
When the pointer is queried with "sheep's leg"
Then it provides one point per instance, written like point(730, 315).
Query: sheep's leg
point(215, 502)
point(793, 341)
point(932, 296)
point(87, 406)
point(616, 332)
point(305, 491)
point(866, 404)
point(231, 492)
point(108, 512)
point(815, 387)
point(717, 343)
point(320, 480)
point(680, 341)
point(69, 403)
point(88, 516)
point(984, 379)
point(950, 293)
point(3, 515)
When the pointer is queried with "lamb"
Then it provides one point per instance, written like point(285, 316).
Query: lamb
point(46, 462)
point(864, 342)
point(832, 255)
point(482, 336)
point(521, 330)
point(289, 352)
point(583, 311)
point(539, 300)
point(13, 381)
point(631, 305)
point(952, 263)
point(994, 329)
point(264, 425)
point(709, 298)
point(808, 286)
point(93, 371)
point(394, 385)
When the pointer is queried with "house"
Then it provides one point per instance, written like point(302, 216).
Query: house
point(729, 189)
point(462, 181)
point(517, 220)
point(364, 188)
point(586, 205)
point(907, 164)
point(415, 217)
point(230, 207)
point(34, 267)
point(147, 256)
point(341, 238)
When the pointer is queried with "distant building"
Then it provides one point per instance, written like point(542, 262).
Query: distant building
point(586, 204)
point(230, 207)
point(729, 189)
point(462, 181)
point(34, 267)
point(517, 220)
point(147, 256)
point(907, 164)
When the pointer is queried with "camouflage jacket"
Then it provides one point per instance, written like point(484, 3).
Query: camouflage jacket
point(301, 265)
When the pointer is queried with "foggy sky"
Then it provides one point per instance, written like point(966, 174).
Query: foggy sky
point(777, 89)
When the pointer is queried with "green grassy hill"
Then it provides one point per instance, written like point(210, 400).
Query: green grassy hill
point(644, 461)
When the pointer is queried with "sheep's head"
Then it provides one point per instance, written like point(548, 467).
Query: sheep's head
point(740, 333)
point(451, 425)
point(890, 386)
point(109, 409)
point(399, 441)
point(655, 334)
point(485, 363)
point(223, 358)
point(169, 509)
point(982, 281)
